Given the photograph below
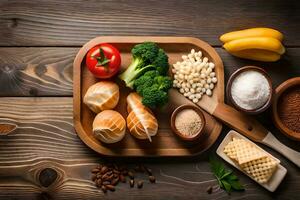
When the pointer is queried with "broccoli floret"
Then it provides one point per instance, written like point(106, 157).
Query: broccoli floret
point(143, 56)
point(153, 97)
point(164, 82)
point(161, 62)
point(147, 74)
point(146, 80)
point(143, 82)
point(152, 74)
point(153, 88)
point(147, 51)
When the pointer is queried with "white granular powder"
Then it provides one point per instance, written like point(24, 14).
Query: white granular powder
point(250, 90)
point(188, 122)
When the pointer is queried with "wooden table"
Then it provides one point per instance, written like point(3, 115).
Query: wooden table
point(44, 159)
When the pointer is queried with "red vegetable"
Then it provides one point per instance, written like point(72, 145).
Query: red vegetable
point(103, 60)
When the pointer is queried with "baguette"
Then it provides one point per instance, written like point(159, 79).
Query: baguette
point(140, 121)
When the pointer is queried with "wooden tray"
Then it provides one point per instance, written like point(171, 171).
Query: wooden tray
point(165, 143)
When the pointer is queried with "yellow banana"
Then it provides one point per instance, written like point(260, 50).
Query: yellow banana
point(257, 54)
point(252, 32)
point(265, 43)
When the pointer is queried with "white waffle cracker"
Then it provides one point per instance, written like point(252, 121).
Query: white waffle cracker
point(230, 151)
point(252, 160)
point(246, 152)
point(261, 169)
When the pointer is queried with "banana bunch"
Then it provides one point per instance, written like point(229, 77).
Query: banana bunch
point(261, 44)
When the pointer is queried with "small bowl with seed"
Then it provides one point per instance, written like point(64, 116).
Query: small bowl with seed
point(286, 108)
point(188, 122)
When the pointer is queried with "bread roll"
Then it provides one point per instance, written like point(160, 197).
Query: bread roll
point(109, 126)
point(140, 121)
point(103, 95)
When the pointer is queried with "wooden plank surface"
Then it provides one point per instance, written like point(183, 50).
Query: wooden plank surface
point(45, 139)
point(47, 71)
point(69, 23)
point(36, 71)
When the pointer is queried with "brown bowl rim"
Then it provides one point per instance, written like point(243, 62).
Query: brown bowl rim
point(286, 85)
point(239, 71)
point(199, 112)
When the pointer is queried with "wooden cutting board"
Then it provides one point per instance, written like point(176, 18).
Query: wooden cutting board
point(165, 143)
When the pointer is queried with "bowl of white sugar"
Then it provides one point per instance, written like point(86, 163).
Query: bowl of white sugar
point(250, 89)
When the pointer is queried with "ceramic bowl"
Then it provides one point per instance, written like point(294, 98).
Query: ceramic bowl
point(178, 133)
point(279, 91)
point(232, 78)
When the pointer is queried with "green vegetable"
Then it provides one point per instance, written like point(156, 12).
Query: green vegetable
point(146, 56)
point(153, 97)
point(226, 179)
point(153, 87)
point(147, 80)
point(161, 62)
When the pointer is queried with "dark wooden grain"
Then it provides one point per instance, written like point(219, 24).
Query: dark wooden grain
point(69, 23)
point(45, 139)
point(36, 71)
point(43, 128)
point(44, 71)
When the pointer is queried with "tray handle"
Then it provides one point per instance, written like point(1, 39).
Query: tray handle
point(271, 141)
point(241, 122)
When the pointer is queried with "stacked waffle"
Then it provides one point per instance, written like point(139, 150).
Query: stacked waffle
point(255, 162)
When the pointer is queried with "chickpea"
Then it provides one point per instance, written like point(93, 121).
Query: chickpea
point(208, 80)
point(195, 100)
point(211, 65)
point(212, 74)
point(194, 76)
point(191, 96)
point(214, 79)
point(208, 92)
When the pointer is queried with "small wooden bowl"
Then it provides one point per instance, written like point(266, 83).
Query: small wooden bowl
point(238, 72)
point(198, 111)
point(293, 82)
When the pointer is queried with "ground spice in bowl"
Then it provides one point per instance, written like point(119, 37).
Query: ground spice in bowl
point(289, 108)
point(188, 122)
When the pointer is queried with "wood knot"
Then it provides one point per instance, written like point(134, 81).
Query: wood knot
point(13, 23)
point(33, 92)
point(5, 129)
point(44, 196)
point(250, 128)
point(7, 69)
point(47, 177)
